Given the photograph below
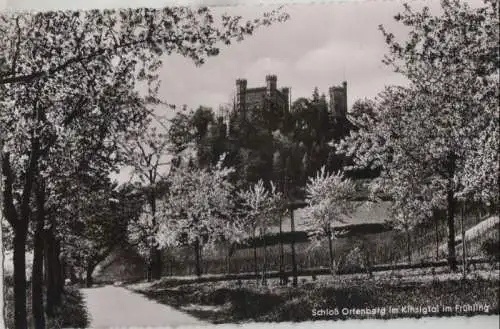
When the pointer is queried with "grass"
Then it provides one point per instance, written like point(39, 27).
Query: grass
point(383, 248)
point(72, 314)
point(243, 301)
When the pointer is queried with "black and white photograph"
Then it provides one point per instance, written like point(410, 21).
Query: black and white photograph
point(255, 164)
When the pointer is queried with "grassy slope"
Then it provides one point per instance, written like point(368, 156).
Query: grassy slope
point(233, 301)
point(383, 248)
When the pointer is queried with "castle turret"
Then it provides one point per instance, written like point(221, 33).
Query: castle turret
point(271, 83)
point(286, 94)
point(268, 97)
point(241, 88)
point(338, 100)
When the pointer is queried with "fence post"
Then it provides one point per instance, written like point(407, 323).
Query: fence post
point(464, 248)
point(294, 263)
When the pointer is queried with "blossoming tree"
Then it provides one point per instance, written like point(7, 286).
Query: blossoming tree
point(439, 132)
point(260, 209)
point(58, 66)
point(329, 199)
point(197, 209)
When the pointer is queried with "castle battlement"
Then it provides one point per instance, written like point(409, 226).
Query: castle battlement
point(247, 99)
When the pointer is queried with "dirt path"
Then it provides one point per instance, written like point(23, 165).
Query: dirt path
point(111, 306)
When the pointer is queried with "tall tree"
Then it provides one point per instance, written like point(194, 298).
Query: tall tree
point(261, 208)
point(450, 107)
point(329, 199)
point(147, 152)
point(198, 209)
point(61, 58)
point(102, 215)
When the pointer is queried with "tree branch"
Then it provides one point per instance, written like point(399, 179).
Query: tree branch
point(73, 60)
point(16, 50)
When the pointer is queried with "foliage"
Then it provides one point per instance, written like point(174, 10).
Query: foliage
point(264, 304)
point(199, 130)
point(260, 208)
point(99, 226)
point(491, 248)
point(73, 38)
point(198, 206)
point(68, 87)
point(328, 196)
point(141, 234)
point(450, 106)
point(72, 314)
point(453, 60)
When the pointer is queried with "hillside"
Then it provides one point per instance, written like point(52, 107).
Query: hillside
point(364, 213)
point(475, 236)
point(427, 246)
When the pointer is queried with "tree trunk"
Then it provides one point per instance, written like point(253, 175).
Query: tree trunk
point(60, 274)
point(228, 259)
point(294, 263)
point(408, 244)
point(464, 242)
point(156, 264)
point(149, 271)
point(197, 257)
point(38, 258)
point(255, 264)
point(436, 221)
point(282, 254)
point(55, 282)
point(89, 281)
point(264, 265)
point(37, 270)
point(19, 224)
point(49, 272)
point(330, 249)
point(450, 218)
point(20, 314)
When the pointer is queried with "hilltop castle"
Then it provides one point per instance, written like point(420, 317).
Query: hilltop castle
point(249, 98)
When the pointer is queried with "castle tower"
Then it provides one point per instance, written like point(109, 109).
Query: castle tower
point(241, 89)
point(338, 100)
point(271, 83)
point(286, 94)
point(268, 97)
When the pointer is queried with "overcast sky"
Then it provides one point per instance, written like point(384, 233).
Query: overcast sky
point(321, 45)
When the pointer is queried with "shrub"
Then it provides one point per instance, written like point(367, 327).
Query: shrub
point(72, 314)
point(491, 248)
point(353, 261)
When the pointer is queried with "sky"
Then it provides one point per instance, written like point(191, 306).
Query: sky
point(320, 46)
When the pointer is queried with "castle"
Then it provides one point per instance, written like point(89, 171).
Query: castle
point(249, 98)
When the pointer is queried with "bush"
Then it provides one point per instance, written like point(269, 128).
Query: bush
point(72, 314)
point(278, 303)
point(372, 295)
point(491, 248)
point(353, 261)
